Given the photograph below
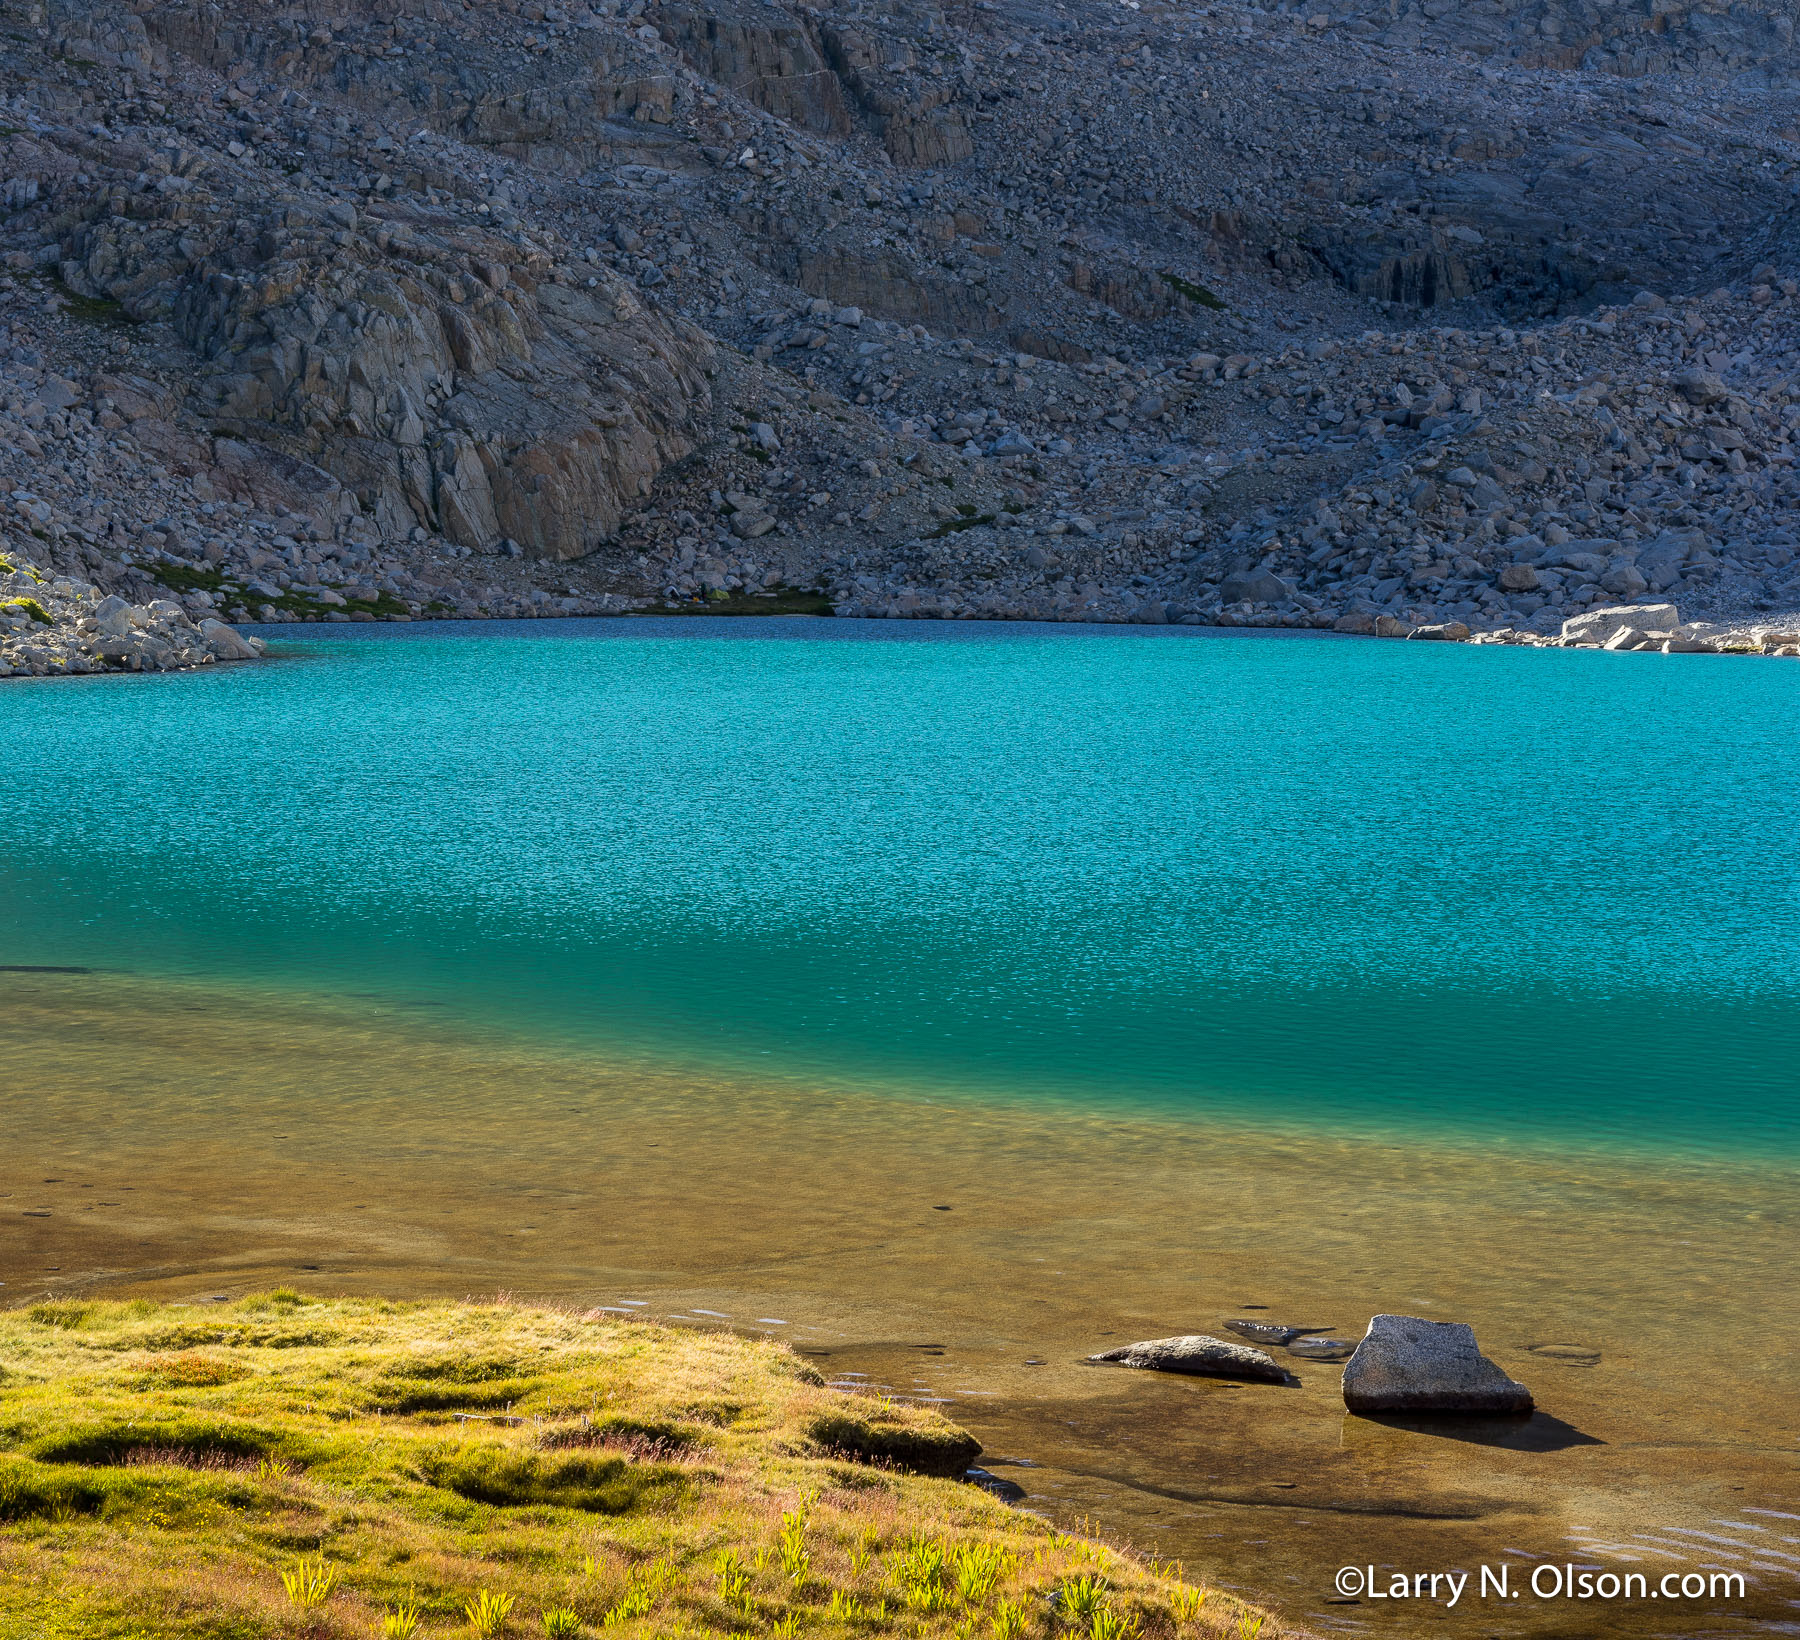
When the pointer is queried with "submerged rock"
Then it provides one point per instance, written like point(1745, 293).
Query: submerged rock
point(1408, 1364)
point(1197, 1353)
point(1322, 1349)
point(1263, 1332)
point(1573, 1355)
point(1269, 1332)
point(1006, 1491)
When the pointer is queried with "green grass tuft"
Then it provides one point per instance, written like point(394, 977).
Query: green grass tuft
point(98, 310)
point(782, 601)
point(487, 1613)
point(1194, 293)
point(967, 519)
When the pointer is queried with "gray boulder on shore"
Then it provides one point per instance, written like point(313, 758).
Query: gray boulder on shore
point(1407, 1364)
point(1255, 586)
point(1197, 1353)
point(226, 642)
point(1599, 625)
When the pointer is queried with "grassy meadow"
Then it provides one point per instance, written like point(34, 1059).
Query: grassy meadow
point(291, 1466)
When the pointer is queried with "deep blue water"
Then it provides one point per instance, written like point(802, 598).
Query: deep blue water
point(1428, 888)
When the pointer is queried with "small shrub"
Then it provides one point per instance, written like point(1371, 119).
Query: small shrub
point(31, 607)
point(970, 520)
point(309, 1582)
point(1193, 292)
point(922, 1572)
point(487, 1613)
point(636, 1602)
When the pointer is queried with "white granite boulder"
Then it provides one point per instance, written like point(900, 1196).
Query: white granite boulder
point(1407, 1364)
point(226, 642)
point(1597, 625)
point(1198, 1353)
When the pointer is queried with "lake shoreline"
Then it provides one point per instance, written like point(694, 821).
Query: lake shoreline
point(355, 1151)
point(1777, 634)
point(87, 635)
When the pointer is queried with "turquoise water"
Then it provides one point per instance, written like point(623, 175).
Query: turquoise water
point(1540, 895)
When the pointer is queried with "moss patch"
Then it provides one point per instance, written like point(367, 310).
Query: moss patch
point(96, 310)
point(873, 1438)
point(967, 519)
point(597, 1482)
point(1194, 293)
point(782, 601)
point(31, 607)
point(189, 578)
point(33, 1491)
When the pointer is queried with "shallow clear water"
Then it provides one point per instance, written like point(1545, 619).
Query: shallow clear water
point(1437, 890)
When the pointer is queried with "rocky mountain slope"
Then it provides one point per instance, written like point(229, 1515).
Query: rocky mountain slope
point(1307, 315)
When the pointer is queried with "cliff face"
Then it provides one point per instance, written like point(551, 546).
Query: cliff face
point(439, 370)
point(440, 373)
